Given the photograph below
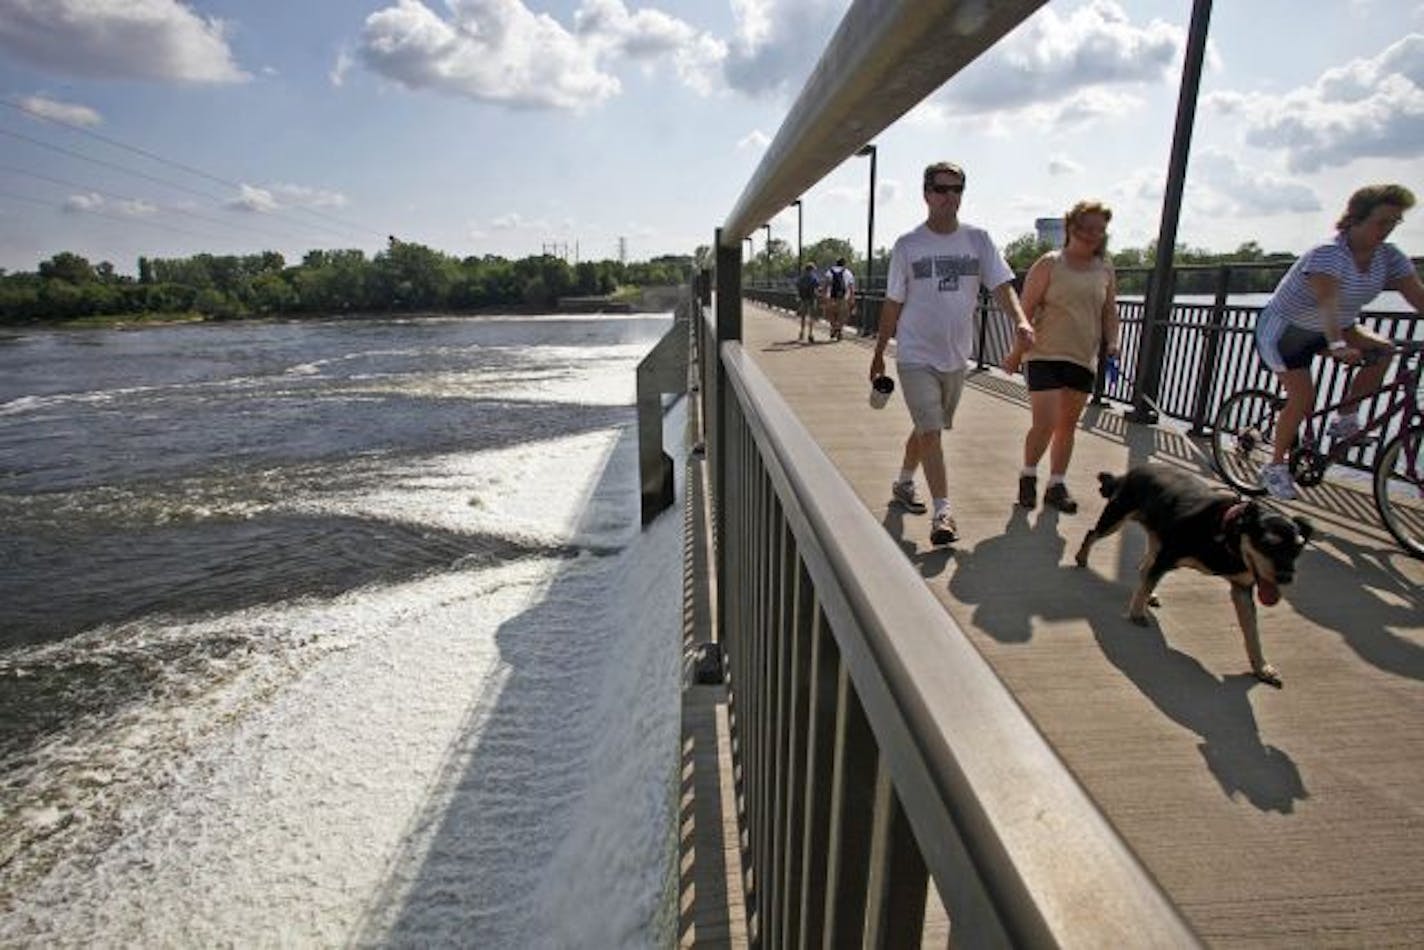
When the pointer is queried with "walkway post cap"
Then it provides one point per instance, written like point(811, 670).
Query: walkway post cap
point(884, 59)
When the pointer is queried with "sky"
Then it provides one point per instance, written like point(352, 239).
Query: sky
point(604, 129)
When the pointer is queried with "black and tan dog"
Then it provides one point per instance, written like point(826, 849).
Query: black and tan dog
point(1190, 524)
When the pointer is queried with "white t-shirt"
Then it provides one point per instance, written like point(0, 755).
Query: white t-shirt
point(937, 278)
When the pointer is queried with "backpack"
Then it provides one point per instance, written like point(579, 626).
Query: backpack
point(838, 287)
point(806, 286)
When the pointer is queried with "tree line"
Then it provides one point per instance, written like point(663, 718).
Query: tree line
point(1197, 270)
point(403, 277)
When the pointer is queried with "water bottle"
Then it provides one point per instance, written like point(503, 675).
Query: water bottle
point(1112, 369)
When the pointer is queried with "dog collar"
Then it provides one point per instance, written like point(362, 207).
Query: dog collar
point(1228, 518)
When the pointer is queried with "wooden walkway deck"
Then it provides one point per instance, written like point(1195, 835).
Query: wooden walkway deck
point(1286, 817)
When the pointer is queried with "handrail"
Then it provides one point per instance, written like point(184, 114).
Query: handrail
point(885, 57)
point(982, 789)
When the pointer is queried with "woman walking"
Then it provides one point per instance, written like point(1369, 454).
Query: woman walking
point(1071, 297)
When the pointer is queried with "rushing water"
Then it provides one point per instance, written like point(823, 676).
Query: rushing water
point(308, 632)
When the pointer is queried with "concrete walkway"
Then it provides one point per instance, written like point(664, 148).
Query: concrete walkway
point(1289, 817)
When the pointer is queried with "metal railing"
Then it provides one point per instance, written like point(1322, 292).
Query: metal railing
point(877, 749)
point(1209, 355)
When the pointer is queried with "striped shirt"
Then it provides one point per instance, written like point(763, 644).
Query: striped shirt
point(1294, 302)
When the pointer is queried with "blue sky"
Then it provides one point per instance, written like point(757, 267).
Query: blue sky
point(512, 126)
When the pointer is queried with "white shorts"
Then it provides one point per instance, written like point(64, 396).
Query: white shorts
point(931, 395)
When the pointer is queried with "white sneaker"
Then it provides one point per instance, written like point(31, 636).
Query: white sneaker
point(1276, 479)
point(1343, 427)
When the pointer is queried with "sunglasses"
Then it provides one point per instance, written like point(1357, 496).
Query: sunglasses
point(958, 189)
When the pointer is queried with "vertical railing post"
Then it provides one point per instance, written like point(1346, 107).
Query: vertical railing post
point(729, 327)
point(983, 325)
point(1159, 293)
point(1207, 373)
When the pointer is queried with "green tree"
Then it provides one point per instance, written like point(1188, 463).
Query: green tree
point(1023, 250)
point(67, 267)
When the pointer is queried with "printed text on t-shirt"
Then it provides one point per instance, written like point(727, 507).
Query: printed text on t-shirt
point(948, 269)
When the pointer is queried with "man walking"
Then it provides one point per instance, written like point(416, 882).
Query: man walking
point(840, 295)
point(808, 296)
point(931, 294)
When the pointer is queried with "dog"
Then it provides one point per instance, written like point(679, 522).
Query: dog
point(1190, 524)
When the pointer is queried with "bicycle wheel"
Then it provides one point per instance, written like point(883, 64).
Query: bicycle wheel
point(1242, 436)
point(1399, 489)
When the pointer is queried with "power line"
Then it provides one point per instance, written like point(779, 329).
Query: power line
point(114, 217)
point(138, 174)
point(173, 163)
point(99, 191)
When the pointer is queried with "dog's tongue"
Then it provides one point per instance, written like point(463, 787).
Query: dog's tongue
point(1268, 593)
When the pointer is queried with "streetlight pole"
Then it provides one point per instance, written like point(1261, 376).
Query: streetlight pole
point(797, 203)
point(869, 244)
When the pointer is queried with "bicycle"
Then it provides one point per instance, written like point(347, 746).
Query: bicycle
point(1245, 428)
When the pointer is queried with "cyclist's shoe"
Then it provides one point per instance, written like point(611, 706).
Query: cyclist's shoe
point(905, 495)
point(1057, 497)
point(1343, 427)
point(1028, 492)
point(943, 530)
point(1276, 479)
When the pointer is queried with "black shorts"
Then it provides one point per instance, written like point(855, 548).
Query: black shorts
point(1057, 374)
point(1294, 346)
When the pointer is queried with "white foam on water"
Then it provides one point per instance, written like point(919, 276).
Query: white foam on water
point(484, 757)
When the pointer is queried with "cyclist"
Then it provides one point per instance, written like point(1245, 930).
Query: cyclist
point(1316, 308)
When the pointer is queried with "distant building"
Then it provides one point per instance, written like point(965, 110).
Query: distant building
point(1050, 231)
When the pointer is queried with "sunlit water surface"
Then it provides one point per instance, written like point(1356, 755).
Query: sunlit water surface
point(333, 633)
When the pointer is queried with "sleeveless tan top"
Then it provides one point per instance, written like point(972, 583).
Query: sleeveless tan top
point(1069, 322)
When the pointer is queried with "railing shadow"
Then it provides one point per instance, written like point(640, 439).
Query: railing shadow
point(1357, 591)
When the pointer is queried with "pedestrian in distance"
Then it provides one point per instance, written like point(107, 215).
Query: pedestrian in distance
point(1316, 308)
point(840, 295)
point(931, 294)
point(808, 300)
point(1070, 296)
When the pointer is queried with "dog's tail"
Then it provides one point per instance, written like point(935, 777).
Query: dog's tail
point(1107, 484)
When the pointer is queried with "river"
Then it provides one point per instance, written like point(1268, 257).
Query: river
point(330, 633)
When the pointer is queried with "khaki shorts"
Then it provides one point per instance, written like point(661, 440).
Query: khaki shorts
point(839, 309)
point(931, 395)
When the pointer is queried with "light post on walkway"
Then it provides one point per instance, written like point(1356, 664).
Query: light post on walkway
point(865, 327)
point(797, 203)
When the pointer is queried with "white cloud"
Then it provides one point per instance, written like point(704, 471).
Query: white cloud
point(274, 198)
point(1244, 191)
point(134, 208)
point(1063, 165)
point(489, 50)
point(778, 43)
point(1366, 108)
point(254, 199)
point(95, 203)
point(501, 51)
point(84, 202)
point(340, 68)
point(1066, 68)
point(755, 139)
point(302, 196)
point(649, 35)
point(118, 39)
point(67, 112)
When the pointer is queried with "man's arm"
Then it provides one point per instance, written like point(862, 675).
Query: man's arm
point(889, 317)
point(1008, 300)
